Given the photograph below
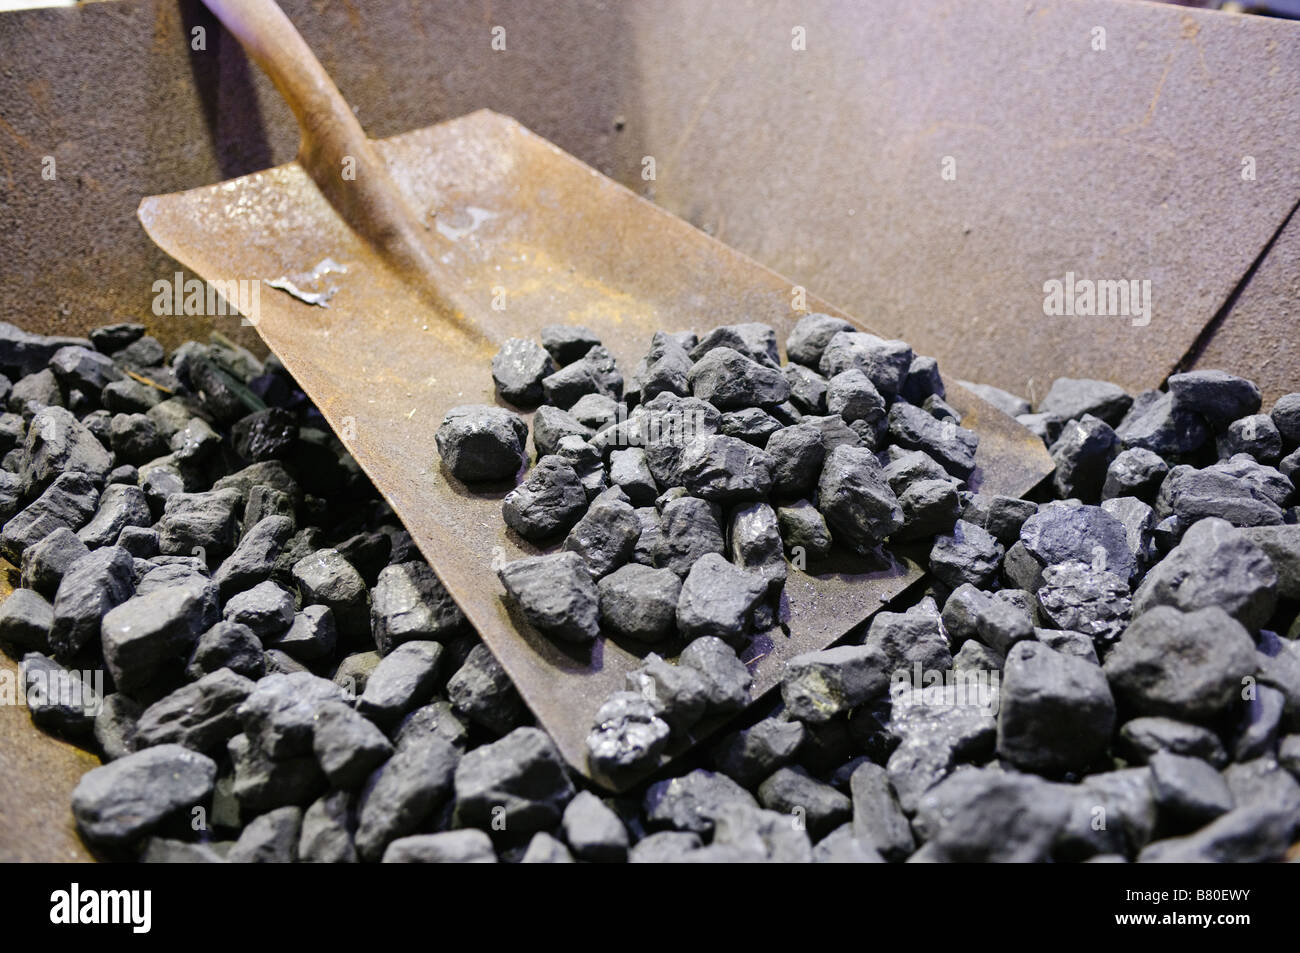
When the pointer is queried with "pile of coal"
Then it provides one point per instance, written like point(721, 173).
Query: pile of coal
point(214, 600)
point(677, 494)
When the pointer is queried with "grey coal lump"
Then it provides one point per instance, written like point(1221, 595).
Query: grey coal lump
point(548, 501)
point(639, 602)
point(556, 594)
point(817, 686)
point(627, 735)
point(856, 499)
point(518, 369)
point(479, 442)
point(522, 776)
point(126, 799)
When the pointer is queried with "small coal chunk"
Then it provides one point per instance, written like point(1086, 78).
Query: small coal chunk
point(1072, 399)
point(595, 373)
point(409, 603)
point(206, 521)
point(694, 801)
point(605, 538)
point(119, 506)
point(482, 692)
point(906, 639)
point(403, 793)
point(1188, 666)
point(817, 686)
point(627, 735)
point(1239, 490)
point(952, 446)
point(266, 609)
point(929, 507)
point(262, 783)
point(124, 800)
point(791, 791)
point(878, 819)
point(968, 554)
point(639, 602)
point(807, 388)
point(201, 715)
point(718, 598)
point(68, 502)
point(44, 564)
point(856, 500)
point(568, 342)
point(1156, 422)
point(1254, 834)
point(1256, 435)
point(270, 838)
point(548, 502)
point(59, 700)
point(1143, 737)
point(1214, 565)
point(752, 754)
point(91, 586)
point(689, 529)
point(279, 714)
point(255, 556)
point(1189, 789)
point(593, 830)
point(885, 363)
point(556, 594)
point(439, 718)
point(811, 335)
point(518, 369)
point(923, 382)
point(852, 395)
point(402, 682)
point(804, 532)
point(1002, 516)
point(448, 847)
point(479, 442)
point(26, 618)
point(1066, 530)
point(1214, 395)
point(545, 849)
point(325, 577)
point(265, 435)
point(57, 442)
point(230, 646)
point(1082, 599)
point(111, 338)
point(728, 380)
point(797, 453)
point(679, 693)
point(663, 370)
point(1135, 472)
point(1082, 454)
point(1056, 712)
point(347, 745)
point(520, 779)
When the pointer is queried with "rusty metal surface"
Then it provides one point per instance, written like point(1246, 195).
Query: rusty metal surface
point(37, 775)
point(1126, 160)
point(564, 244)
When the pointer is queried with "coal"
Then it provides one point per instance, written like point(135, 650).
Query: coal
point(1188, 666)
point(726, 677)
point(1214, 565)
point(1139, 528)
point(639, 602)
point(754, 340)
point(556, 594)
point(123, 801)
point(627, 735)
point(1068, 531)
point(1072, 399)
point(752, 754)
point(911, 638)
point(44, 564)
point(817, 686)
point(518, 369)
point(952, 446)
point(325, 577)
point(797, 453)
point(728, 379)
point(354, 671)
point(409, 603)
point(480, 443)
point(1001, 516)
point(694, 801)
point(967, 554)
point(726, 469)
point(594, 373)
point(1056, 712)
point(1144, 737)
point(860, 507)
point(57, 443)
point(25, 620)
point(1256, 435)
point(266, 609)
point(520, 781)
point(548, 502)
point(594, 832)
point(689, 529)
point(810, 336)
point(279, 715)
point(59, 700)
point(440, 718)
point(605, 537)
point(227, 645)
point(1255, 834)
point(1216, 396)
point(402, 682)
point(878, 819)
point(568, 342)
point(203, 521)
point(200, 715)
point(1156, 422)
point(449, 847)
point(119, 506)
point(347, 745)
point(1076, 597)
point(807, 388)
point(679, 694)
point(68, 502)
point(812, 803)
point(403, 793)
point(664, 369)
point(936, 735)
point(482, 691)
point(804, 532)
point(629, 470)
point(270, 838)
point(91, 586)
point(718, 598)
point(1082, 454)
point(984, 816)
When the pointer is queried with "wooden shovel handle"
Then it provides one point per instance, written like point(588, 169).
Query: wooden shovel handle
point(334, 148)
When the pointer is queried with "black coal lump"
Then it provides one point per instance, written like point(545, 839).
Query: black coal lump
point(605, 538)
point(885, 363)
point(1072, 398)
point(793, 792)
point(627, 735)
point(556, 594)
point(91, 586)
point(119, 506)
point(1082, 454)
point(325, 577)
point(204, 521)
point(730, 380)
point(807, 388)
point(639, 602)
point(804, 532)
point(402, 682)
point(816, 686)
point(752, 754)
point(403, 793)
point(59, 700)
point(121, 802)
point(438, 717)
point(69, 501)
point(521, 781)
point(482, 691)
point(694, 801)
point(347, 745)
point(851, 394)
point(679, 693)
point(1158, 423)
point(111, 338)
point(57, 442)
point(200, 715)
point(629, 470)
point(279, 714)
point(727, 676)
point(596, 372)
point(664, 369)
point(568, 342)
point(266, 609)
point(518, 369)
point(1134, 472)
point(929, 507)
point(718, 598)
point(811, 335)
point(26, 618)
point(410, 603)
point(689, 529)
point(1079, 598)
point(1256, 435)
point(751, 424)
point(44, 563)
point(1188, 790)
point(856, 500)
point(1214, 395)
point(230, 646)
point(264, 435)
point(255, 556)
point(115, 725)
point(587, 462)
point(479, 443)
point(548, 502)
point(953, 446)
point(594, 831)
point(797, 453)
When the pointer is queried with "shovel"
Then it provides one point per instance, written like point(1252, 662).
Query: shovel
point(446, 241)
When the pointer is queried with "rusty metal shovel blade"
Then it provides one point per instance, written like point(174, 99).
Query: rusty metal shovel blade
point(526, 235)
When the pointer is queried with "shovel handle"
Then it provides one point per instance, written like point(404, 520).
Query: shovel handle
point(334, 148)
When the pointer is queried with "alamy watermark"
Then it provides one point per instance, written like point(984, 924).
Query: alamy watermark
point(1098, 298)
point(178, 296)
point(951, 688)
